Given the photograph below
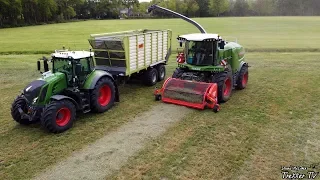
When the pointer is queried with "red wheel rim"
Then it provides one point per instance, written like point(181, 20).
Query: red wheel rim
point(245, 79)
point(105, 95)
point(63, 116)
point(227, 88)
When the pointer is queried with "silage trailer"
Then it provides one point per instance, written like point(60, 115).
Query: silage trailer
point(138, 53)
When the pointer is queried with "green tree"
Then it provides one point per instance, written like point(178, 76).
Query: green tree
point(241, 8)
point(203, 8)
point(29, 11)
point(192, 7)
point(181, 7)
point(218, 6)
point(130, 4)
point(263, 7)
point(47, 9)
point(66, 7)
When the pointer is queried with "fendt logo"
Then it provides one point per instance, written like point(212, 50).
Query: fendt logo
point(28, 88)
point(140, 46)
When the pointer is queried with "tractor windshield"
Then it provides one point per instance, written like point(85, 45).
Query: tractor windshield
point(62, 65)
point(201, 53)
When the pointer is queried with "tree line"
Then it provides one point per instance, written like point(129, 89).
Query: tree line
point(29, 12)
point(214, 8)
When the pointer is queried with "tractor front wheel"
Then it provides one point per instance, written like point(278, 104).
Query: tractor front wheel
point(20, 102)
point(243, 78)
point(224, 81)
point(58, 116)
point(103, 95)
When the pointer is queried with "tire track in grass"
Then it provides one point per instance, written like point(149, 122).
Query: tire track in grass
point(109, 153)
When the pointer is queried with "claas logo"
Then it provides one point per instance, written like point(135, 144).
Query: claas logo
point(140, 46)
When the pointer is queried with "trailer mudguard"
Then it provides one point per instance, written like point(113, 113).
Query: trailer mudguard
point(61, 97)
point(95, 76)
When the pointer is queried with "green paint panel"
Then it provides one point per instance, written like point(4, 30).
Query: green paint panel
point(202, 68)
point(55, 85)
point(92, 76)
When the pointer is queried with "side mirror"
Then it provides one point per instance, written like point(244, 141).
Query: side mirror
point(46, 66)
point(78, 69)
point(38, 65)
point(221, 44)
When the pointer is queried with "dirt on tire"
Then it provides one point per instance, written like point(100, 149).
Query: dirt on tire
point(109, 153)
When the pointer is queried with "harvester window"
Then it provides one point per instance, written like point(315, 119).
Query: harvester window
point(201, 53)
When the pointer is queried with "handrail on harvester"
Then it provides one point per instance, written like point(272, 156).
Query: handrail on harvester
point(153, 7)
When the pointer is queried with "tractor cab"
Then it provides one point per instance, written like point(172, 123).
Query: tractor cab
point(199, 49)
point(76, 65)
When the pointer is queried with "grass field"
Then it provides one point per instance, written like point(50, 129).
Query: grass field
point(255, 33)
point(272, 123)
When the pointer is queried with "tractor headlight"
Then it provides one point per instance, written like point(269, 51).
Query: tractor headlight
point(34, 100)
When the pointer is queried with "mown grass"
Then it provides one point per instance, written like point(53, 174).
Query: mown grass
point(272, 123)
point(28, 150)
point(254, 33)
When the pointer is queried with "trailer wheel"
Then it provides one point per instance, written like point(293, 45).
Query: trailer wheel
point(58, 116)
point(20, 102)
point(224, 81)
point(103, 95)
point(243, 78)
point(150, 77)
point(161, 72)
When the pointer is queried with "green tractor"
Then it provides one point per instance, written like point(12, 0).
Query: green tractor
point(82, 81)
point(204, 58)
point(74, 84)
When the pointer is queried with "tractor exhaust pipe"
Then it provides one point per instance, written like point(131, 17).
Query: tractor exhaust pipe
point(153, 7)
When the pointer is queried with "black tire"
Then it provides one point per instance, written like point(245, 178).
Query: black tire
point(161, 72)
point(223, 80)
point(177, 73)
point(103, 95)
point(58, 116)
point(20, 101)
point(157, 97)
point(216, 108)
point(243, 76)
point(150, 77)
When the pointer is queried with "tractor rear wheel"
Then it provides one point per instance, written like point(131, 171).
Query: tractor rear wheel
point(58, 116)
point(225, 86)
point(243, 78)
point(177, 73)
point(103, 95)
point(20, 102)
point(150, 77)
point(161, 72)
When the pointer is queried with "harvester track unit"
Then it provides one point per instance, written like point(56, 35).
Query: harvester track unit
point(209, 69)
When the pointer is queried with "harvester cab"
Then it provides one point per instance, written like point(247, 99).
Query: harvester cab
point(73, 84)
point(209, 69)
point(199, 49)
